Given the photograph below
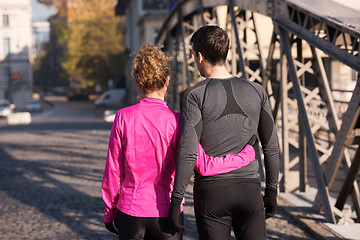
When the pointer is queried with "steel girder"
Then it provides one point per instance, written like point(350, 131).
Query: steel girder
point(342, 43)
point(305, 115)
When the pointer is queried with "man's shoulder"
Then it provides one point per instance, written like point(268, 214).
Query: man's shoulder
point(254, 84)
point(197, 86)
point(259, 88)
point(195, 89)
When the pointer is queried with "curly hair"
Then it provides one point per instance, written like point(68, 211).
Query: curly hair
point(150, 68)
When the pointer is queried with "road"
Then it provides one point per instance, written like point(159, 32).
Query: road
point(51, 173)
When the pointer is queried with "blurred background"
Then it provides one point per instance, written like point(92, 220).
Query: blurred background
point(65, 69)
point(78, 49)
point(82, 48)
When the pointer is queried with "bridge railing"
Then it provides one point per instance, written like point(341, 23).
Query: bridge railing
point(285, 46)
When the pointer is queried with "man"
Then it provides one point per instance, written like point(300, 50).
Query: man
point(222, 113)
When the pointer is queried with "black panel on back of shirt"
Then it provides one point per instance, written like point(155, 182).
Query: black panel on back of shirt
point(232, 107)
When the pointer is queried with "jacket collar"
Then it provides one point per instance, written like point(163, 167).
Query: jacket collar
point(153, 101)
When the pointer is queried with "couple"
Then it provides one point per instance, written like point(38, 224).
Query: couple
point(219, 118)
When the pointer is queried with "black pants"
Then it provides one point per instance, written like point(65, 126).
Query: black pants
point(133, 228)
point(222, 204)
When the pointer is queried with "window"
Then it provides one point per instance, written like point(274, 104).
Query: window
point(6, 46)
point(154, 4)
point(7, 74)
point(173, 4)
point(5, 20)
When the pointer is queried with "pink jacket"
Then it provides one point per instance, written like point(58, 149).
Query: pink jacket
point(141, 160)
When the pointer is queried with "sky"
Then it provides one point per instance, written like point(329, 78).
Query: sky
point(355, 4)
point(41, 12)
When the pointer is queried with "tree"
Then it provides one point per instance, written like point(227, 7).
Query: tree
point(91, 37)
point(41, 66)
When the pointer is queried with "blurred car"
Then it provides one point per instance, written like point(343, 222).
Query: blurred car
point(59, 90)
point(112, 97)
point(6, 108)
point(77, 94)
point(34, 106)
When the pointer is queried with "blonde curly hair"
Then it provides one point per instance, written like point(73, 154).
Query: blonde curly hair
point(150, 68)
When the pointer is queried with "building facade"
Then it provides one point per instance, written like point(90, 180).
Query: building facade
point(143, 21)
point(16, 51)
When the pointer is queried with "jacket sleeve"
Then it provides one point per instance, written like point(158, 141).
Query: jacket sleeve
point(209, 166)
point(112, 173)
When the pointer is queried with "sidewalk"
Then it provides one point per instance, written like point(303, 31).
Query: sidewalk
point(299, 206)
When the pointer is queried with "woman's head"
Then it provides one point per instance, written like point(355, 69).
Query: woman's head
point(150, 69)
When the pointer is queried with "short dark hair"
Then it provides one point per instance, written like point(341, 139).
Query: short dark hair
point(212, 42)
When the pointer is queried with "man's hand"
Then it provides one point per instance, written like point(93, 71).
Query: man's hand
point(270, 202)
point(174, 214)
point(110, 226)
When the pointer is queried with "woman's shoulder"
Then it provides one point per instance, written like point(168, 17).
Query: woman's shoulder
point(127, 111)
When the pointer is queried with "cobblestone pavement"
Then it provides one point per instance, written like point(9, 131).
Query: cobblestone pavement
point(51, 174)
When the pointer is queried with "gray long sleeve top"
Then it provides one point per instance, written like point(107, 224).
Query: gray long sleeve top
point(223, 114)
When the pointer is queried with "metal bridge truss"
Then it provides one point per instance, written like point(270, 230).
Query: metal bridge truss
point(312, 126)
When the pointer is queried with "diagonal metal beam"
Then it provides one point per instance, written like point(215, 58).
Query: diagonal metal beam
point(348, 123)
point(237, 37)
point(320, 42)
point(348, 185)
point(185, 70)
point(324, 193)
point(285, 123)
point(202, 12)
point(333, 117)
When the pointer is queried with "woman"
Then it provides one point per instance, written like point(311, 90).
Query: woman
point(141, 160)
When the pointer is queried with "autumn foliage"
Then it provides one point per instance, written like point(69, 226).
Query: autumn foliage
point(91, 40)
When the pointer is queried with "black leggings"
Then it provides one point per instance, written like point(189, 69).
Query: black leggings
point(221, 204)
point(133, 228)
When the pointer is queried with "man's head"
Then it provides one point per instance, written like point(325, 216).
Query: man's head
point(213, 44)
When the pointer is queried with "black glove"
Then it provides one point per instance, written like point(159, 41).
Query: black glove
point(270, 202)
point(110, 226)
point(174, 214)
